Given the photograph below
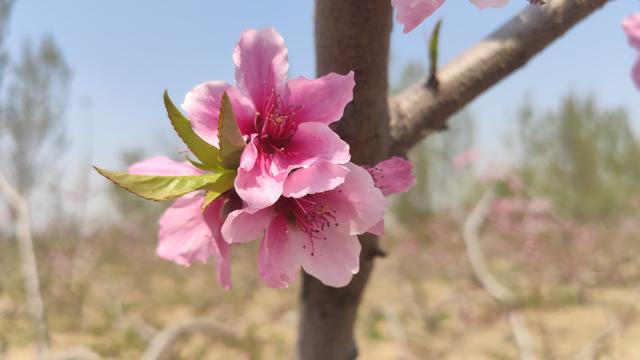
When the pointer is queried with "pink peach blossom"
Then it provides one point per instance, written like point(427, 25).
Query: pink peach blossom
point(631, 25)
point(187, 234)
point(392, 176)
point(285, 122)
point(313, 226)
point(411, 13)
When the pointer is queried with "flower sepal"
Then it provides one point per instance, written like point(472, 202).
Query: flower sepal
point(230, 140)
point(208, 154)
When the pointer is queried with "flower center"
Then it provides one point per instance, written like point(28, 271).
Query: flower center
point(312, 215)
point(276, 123)
point(377, 175)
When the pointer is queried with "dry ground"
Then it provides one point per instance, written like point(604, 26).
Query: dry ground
point(111, 294)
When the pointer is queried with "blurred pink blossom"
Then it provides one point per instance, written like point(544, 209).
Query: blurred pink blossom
point(521, 215)
point(466, 158)
point(411, 13)
point(631, 25)
point(540, 205)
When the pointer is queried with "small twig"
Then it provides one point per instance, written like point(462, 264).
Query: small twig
point(472, 241)
point(143, 329)
point(29, 266)
point(378, 252)
point(521, 335)
point(167, 338)
point(471, 235)
point(591, 351)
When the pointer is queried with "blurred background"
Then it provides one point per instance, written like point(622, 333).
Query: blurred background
point(548, 161)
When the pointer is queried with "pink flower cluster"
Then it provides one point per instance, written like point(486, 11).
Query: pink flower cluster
point(411, 13)
point(295, 187)
point(631, 25)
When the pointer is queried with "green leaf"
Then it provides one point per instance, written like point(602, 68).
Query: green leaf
point(214, 190)
point(205, 152)
point(202, 166)
point(433, 54)
point(209, 197)
point(231, 141)
point(157, 188)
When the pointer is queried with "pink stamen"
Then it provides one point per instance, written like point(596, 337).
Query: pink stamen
point(312, 215)
point(276, 123)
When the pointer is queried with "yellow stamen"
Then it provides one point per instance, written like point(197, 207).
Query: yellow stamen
point(324, 209)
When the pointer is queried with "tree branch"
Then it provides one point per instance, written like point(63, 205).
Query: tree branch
point(166, 339)
point(421, 110)
point(471, 235)
point(29, 266)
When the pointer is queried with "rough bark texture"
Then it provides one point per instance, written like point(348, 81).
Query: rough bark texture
point(420, 109)
point(354, 35)
point(350, 35)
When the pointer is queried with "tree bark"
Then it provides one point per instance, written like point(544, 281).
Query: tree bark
point(350, 35)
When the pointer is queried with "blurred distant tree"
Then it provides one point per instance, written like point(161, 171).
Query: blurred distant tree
point(33, 113)
point(439, 183)
point(581, 155)
point(412, 72)
point(5, 12)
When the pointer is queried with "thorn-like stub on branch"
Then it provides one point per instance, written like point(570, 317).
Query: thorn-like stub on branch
point(378, 252)
point(354, 353)
point(442, 127)
point(433, 82)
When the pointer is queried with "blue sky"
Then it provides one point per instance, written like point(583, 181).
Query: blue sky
point(124, 53)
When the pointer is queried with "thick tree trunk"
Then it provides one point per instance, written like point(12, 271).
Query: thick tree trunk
point(350, 35)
